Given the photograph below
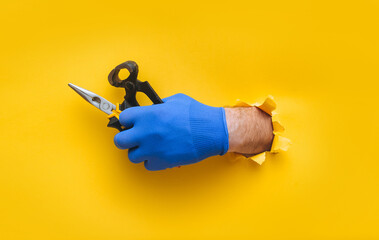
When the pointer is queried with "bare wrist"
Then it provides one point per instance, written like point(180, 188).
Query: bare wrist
point(250, 130)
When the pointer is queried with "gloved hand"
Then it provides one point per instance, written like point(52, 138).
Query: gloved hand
point(177, 132)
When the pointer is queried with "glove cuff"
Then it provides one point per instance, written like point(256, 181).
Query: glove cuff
point(209, 130)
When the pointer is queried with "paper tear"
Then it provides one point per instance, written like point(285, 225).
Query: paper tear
point(279, 143)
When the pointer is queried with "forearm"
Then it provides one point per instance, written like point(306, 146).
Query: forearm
point(250, 130)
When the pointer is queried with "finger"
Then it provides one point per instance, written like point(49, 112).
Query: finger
point(135, 155)
point(126, 139)
point(152, 165)
point(129, 116)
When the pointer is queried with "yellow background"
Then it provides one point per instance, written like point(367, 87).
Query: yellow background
point(62, 177)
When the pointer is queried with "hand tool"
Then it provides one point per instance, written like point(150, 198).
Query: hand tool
point(131, 85)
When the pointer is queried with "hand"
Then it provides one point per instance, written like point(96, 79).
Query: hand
point(177, 132)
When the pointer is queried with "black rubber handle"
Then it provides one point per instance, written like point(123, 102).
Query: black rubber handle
point(115, 123)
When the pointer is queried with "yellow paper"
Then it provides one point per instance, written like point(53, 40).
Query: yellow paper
point(61, 177)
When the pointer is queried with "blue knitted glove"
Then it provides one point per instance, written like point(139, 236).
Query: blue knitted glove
point(177, 132)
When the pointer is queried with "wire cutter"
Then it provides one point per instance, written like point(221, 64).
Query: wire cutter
point(131, 85)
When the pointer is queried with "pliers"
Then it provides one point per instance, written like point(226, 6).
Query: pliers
point(131, 85)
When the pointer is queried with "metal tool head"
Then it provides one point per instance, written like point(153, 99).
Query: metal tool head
point(96, 100)
point(132, 85)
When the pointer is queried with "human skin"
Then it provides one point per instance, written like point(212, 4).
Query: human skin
point(250, 130)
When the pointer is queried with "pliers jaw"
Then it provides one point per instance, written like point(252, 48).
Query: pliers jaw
point(101, 103)
point(132, 85)
point(94, 99)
